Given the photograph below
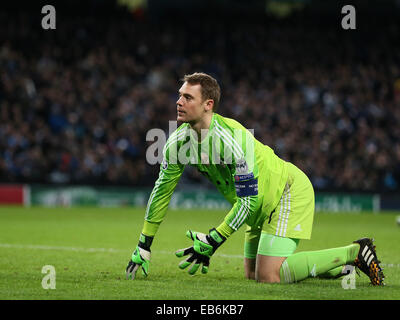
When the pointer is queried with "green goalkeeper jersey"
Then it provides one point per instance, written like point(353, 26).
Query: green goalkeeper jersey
point(248, 173)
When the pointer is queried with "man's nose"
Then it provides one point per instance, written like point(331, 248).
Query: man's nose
point(179, 101)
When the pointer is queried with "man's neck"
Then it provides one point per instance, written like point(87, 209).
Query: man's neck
point(203, 124)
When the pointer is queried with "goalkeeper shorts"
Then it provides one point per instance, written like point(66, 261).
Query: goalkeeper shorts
point(292, 218)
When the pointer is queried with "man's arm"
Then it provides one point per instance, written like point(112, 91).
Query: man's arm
point(236, 217)
point(157, 205)
point(160, 197)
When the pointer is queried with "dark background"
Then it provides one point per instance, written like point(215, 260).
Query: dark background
point(76, 102)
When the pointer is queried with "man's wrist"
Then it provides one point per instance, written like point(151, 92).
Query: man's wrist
point(150, 228)
point(225, 230)
point(215, 238)
point(145, 241)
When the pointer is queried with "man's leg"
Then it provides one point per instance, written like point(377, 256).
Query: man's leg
point(337, 272)
point(250, 268)
point(272, 252)
point(366, 261)
point(251, 239)
point(303, 265)
point(293, 218)
point(277, 263)
point(267, 268)
point(290, 221)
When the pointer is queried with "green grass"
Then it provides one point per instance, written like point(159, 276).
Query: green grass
point(90, 247)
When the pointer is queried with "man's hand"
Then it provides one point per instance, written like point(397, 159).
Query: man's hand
point(140, 257)
point(203, 248)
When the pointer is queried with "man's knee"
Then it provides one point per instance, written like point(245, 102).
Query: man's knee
point(271, 277)
point(268, 269)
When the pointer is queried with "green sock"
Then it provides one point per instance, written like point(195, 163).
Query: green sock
point(333, 273)
point(302, 265)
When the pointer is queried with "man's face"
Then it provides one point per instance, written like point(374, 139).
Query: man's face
point(190, 107)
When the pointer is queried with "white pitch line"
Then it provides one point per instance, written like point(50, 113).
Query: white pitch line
point(42, 247)
point(80, 249)
point(111, 250)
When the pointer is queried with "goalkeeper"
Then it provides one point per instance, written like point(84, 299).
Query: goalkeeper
point(272, 197)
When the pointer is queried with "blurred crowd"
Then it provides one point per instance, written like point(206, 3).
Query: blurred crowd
point(76, 102)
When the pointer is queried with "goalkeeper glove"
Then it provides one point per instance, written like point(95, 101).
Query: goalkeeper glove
point(140, 257)
point(204, 246)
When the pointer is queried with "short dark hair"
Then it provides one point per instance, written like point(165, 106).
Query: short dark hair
point(209, 86)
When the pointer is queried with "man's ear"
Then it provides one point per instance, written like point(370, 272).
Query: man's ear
point(209, 105)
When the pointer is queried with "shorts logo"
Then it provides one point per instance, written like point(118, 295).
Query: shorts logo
point(297, 228)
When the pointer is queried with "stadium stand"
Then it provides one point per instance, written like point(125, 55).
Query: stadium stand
point(76, 103)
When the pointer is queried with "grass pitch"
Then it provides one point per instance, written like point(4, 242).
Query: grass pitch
point(90, 247)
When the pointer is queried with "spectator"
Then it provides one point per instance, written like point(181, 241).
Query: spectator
point(76, 104)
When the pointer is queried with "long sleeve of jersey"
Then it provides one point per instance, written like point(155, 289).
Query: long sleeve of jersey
point(168, 178)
